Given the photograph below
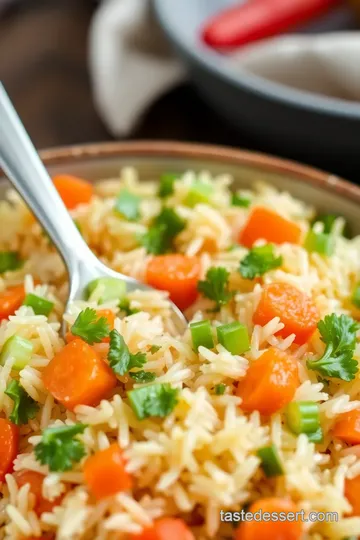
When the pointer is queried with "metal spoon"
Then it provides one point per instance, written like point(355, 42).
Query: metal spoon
point(25, 170)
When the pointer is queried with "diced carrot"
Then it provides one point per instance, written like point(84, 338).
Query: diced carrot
point(9, 445)
point(77, 376)
point(73, 190)
point(165, 529)
point(177, 274)
point(347, 428)
point(35, 480)
point(105, 473)
point(269, 225)
point(109, 316)
point(352, 493)
point(276, 530)
point(10, 300)
point(269, 383)
point(296, 310)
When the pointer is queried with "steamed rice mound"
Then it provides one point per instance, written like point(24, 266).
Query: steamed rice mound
point(201, 458)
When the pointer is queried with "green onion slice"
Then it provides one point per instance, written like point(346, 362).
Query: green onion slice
point(270, 461)
point(112, 289)
point(41, 306)
point(18, 348)
point(234, 337)
point(303, 416)
point(201, 334)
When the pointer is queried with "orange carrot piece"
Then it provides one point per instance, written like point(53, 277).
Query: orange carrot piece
point(347, 428)
point(177, 274)
point(276, 530)
point(10, 300)
point(77, 376)
point(105, 473)
point(35, 480)
point(165, 529)
point(9, 445)
point(109, 316)
point(269, 383)
point(73, 190)
point(352, 493)
point(296, 310)
point(270, 226)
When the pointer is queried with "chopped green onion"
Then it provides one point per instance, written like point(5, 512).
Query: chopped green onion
point(270, 461)
point(112, 288)
point(155, 348)
point(234, 337)
point(356, 296)
point(238, 200)
point(201, 334)
point(153, 400)
point(316, 436)
point(166, 186)
point(9, 260)
point(303, 416)
point(220, 389)
point(199, 192)
point(128, 205)
point(322, 243)
point(328, 220)
point(18, 348)
point(41, 306)
point(124, 305)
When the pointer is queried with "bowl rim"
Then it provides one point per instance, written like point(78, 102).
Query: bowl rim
point(280, 93)
point(211, 153)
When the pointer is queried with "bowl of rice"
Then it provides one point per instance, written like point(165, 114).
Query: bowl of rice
point(247, 425)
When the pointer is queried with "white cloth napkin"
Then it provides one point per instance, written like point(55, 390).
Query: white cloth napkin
point(131, 63)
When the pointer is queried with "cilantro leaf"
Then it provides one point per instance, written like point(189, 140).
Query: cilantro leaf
point(24, 408)
point(59, 449)
point(153, 400)
point(89, 327)
point(258, 261)
point(162, 232)
point(128, 205)
point(166, 187)
point(121, 360)
point(143, 376)
point(155, 240)
point(237, 200)
point(216, 286)
point(9, 260)
point(338, 332)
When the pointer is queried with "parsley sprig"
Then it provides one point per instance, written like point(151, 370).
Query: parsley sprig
point(258, 261)
point(59, 447)
point(216, 286)
point(162, 232)
point(338, 332)
point(122, 361)
point(90, 327)
point(25, 408)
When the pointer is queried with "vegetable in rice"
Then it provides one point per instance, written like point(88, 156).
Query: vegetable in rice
point(123, 430)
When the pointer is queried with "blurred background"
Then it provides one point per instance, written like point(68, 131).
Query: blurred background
point(44, 65)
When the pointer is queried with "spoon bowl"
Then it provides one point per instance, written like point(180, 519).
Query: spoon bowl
point(26, 172)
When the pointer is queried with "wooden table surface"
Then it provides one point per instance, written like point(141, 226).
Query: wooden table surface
point(43, 65)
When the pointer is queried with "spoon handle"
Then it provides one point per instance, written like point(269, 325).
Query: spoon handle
point(25, 170)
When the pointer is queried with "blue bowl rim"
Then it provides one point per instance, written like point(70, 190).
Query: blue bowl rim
point(277, 92)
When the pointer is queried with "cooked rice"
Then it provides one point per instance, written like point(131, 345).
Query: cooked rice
point(202, 458)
